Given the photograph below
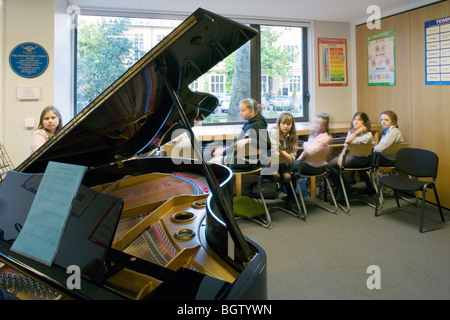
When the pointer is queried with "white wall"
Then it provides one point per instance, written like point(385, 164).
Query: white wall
point(33, 21)
point(47, 23)
point(336, 101)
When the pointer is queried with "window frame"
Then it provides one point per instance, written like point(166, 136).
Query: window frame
point(255, 48)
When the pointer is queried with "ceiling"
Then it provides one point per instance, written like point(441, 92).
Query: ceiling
point(352, 11)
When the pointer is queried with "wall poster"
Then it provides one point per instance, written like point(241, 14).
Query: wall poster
point(381, 59)
point(437, 51)
point(332, 62)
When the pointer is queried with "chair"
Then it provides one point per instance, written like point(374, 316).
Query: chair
point(417, 163)
point(356, 150)
point(238, 180)
point(239, 174)
point(392, 150)
point(318, 157)
point(266, 174)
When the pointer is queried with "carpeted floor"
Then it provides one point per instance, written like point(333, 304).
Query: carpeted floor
point(328, 256)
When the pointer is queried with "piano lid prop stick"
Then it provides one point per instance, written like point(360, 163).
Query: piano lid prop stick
point(218, 194)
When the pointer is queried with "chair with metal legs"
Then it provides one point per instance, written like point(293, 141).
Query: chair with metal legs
point(238, 179)
point(364, 150)
point(380, 170)
point(323, 156)
point(412, 162)
point(267, 175)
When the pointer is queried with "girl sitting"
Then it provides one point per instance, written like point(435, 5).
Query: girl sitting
point(359, 133)
point(318, 141)
point(251, 145)
point(283, 139)
point(391, 135)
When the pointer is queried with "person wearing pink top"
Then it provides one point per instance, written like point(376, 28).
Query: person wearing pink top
point(50, 122)
point(318, 141)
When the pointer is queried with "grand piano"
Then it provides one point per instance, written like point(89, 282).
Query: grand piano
point(172, 234)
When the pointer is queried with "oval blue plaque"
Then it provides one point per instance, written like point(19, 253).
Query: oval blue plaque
point(29, 60)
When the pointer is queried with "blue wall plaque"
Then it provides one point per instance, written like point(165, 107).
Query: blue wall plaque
point(29, 60)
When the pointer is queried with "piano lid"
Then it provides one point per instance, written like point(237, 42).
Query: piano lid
point(129, 114)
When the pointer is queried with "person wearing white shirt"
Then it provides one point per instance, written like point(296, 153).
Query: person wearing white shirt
point(359, 133)
point(391, 135)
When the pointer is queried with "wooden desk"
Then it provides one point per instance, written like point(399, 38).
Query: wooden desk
point(231, 131)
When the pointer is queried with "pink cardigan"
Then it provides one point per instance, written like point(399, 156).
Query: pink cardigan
point(316, 144)
point(38, 138)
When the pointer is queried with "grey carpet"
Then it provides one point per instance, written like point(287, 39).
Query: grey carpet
point(327, 257)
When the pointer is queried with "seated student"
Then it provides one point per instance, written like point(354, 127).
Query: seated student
point(283, 139)
point(359, 133)
point(253, 137)
point(318, 141)
point(391, 134)
point(49, 123)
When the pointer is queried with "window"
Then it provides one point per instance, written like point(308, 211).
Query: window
point(217, 84)
point(293, 51)
point(139, 41)
point(138, 45)
point(281, 63)
point(271, 68)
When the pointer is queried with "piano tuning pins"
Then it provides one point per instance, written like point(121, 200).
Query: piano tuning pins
point(16, 283)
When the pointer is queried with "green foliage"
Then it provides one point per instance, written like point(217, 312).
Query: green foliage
point(104, 54)
point(274, 60)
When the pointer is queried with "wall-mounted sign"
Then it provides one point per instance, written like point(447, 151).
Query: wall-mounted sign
point(437, 51)
point(332, 62)
point(381, 59)
point(28, 92)
point(29, 60)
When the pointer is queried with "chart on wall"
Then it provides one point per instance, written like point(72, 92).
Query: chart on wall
point(437, 51)
point(381, 59)
point(332, 62)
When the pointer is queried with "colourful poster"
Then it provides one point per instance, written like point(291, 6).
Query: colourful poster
point(381, 59)
point(437, 51)
point(332, 62)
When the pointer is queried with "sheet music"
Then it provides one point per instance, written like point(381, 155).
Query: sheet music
point(41, 234)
